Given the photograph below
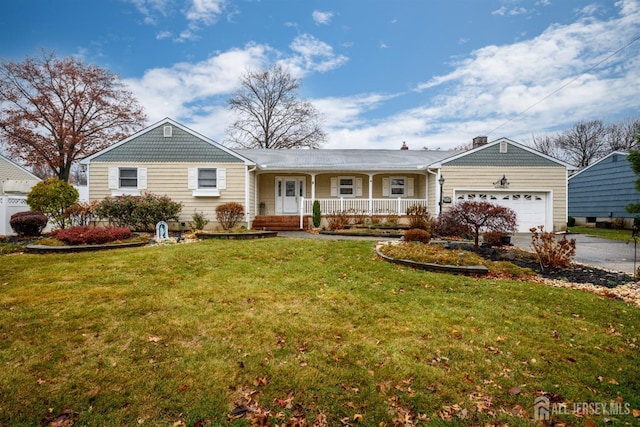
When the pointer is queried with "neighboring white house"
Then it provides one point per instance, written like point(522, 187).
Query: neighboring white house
point(15, 184)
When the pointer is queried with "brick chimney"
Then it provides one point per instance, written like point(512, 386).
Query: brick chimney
point(479, 141)
point(404, 146)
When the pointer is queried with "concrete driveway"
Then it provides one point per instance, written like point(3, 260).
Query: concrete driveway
point(610, 254)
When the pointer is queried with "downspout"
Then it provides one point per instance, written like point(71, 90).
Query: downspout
point(247, 200)
point(435, 174)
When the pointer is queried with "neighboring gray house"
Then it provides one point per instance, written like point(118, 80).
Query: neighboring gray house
point(600, 192)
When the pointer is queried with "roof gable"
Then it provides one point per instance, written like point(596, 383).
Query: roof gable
point(12, 170)
point(183, 145)
point(605, 163)
point(492, 154)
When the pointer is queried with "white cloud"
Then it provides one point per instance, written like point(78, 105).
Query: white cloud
point(205, 11)
point(322, 18)
point(311, 54)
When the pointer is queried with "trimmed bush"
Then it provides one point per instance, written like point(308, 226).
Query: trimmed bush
point(229, 214)
point(84, 235)
point(317, 215)
point(495, 238)
point(571, 222)
point(140, 213)
point(52, 197)
point(417, 235)
point(81, 213)
point(28, 223)
point(198, 221)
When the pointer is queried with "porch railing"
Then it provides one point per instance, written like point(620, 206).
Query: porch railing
point(367, 207)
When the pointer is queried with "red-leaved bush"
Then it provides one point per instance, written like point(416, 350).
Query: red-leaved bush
point(229, 214)
point(417, 235)
point(84, 235)
point(28, 223)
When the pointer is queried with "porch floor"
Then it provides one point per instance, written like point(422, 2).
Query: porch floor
point(279, 222)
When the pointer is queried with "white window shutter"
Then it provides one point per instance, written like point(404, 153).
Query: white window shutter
point(334, 187)
point(113, 178)
point(142, 178)
point(221, 179)
point(410, 186)
point(385, 187)
point(192, 178)
point(358, 187)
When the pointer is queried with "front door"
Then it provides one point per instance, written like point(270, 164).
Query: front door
point(289, 192)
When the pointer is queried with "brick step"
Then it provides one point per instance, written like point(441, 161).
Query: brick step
point(278, 223)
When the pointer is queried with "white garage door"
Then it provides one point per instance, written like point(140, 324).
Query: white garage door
point(531, 208)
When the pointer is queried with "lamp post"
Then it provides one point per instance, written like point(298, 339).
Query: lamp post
point(441, 182)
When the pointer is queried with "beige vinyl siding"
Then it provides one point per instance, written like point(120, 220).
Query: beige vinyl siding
point(553, 179)
point(171, 179)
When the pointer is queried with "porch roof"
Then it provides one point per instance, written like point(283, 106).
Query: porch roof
point(342, 160)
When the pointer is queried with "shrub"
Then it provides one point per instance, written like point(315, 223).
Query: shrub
point(617, 223)
point(28, 223)
point(81, 213)
point(417, 235)
point(84, 235)
point(358, 217)
point(317, 215)
point(551, 252)
point(495, 238)
point(337, 220)
point(419, 217)
point(447, 226)
point(198, 221)
point(571, 222)
point(482, 216)
point(229, 214)
point(52, 197)
point(140, 213)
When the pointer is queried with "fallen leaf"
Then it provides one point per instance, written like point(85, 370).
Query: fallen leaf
point(514, 390)
point(183, 387)
point(589, 423)
point(635, 413)
point(357, 418)
point(613, 381)
point(154, 339)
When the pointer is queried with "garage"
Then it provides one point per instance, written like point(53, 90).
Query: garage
point(530, 207)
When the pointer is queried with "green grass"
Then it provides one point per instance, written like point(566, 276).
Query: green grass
point(186, 333)
point(605, 233)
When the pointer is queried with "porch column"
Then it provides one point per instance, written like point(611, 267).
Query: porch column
point(370, 194)
point(313, 186)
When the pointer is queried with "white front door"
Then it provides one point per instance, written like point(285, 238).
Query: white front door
point(289, 192)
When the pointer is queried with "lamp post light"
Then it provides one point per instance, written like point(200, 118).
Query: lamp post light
point(441, 182)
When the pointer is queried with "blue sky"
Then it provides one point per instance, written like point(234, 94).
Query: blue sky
point(433, 73)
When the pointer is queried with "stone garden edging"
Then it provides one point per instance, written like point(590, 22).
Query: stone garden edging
point(469, 270)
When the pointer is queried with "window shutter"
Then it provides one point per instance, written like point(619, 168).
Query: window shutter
point(385, 187)
point(221, 179)
point(192, 178)
point(410, 187)
point(334, 187)
point(358, 187)
point(142, 178)
point(113, 178)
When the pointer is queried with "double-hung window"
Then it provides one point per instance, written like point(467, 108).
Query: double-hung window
point(398, 187)
point(346, 186)
point(127, 180)
point(207, 181)
point(128, 177)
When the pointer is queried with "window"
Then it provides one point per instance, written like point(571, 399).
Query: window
point(397, 187)
point(207, 182)
point(128, 178)
point(346, 186)
point(207, 178)
point(503, 147)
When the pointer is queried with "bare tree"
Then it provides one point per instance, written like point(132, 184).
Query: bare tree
point(583, 143)
point(547, 144)
point(58, 111)
point(270, 115)
point(623, 135)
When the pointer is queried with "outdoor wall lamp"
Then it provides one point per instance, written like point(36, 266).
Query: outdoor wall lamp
point(502, 182)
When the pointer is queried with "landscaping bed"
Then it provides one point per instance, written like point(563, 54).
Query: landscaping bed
point(243, 235)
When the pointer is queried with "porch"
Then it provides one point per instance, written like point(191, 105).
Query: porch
point(350, 206)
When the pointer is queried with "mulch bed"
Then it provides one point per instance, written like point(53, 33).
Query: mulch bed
point(577, 273)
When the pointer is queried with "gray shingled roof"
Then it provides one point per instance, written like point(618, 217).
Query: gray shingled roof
point(354, 159)
point(152, 146)
point(491, 156)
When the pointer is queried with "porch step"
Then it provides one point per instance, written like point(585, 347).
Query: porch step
point(279, 222)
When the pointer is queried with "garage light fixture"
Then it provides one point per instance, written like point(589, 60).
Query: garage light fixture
point(502, 182)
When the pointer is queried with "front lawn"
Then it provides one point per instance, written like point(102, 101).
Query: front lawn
point(221, 332)
point(605, 233)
